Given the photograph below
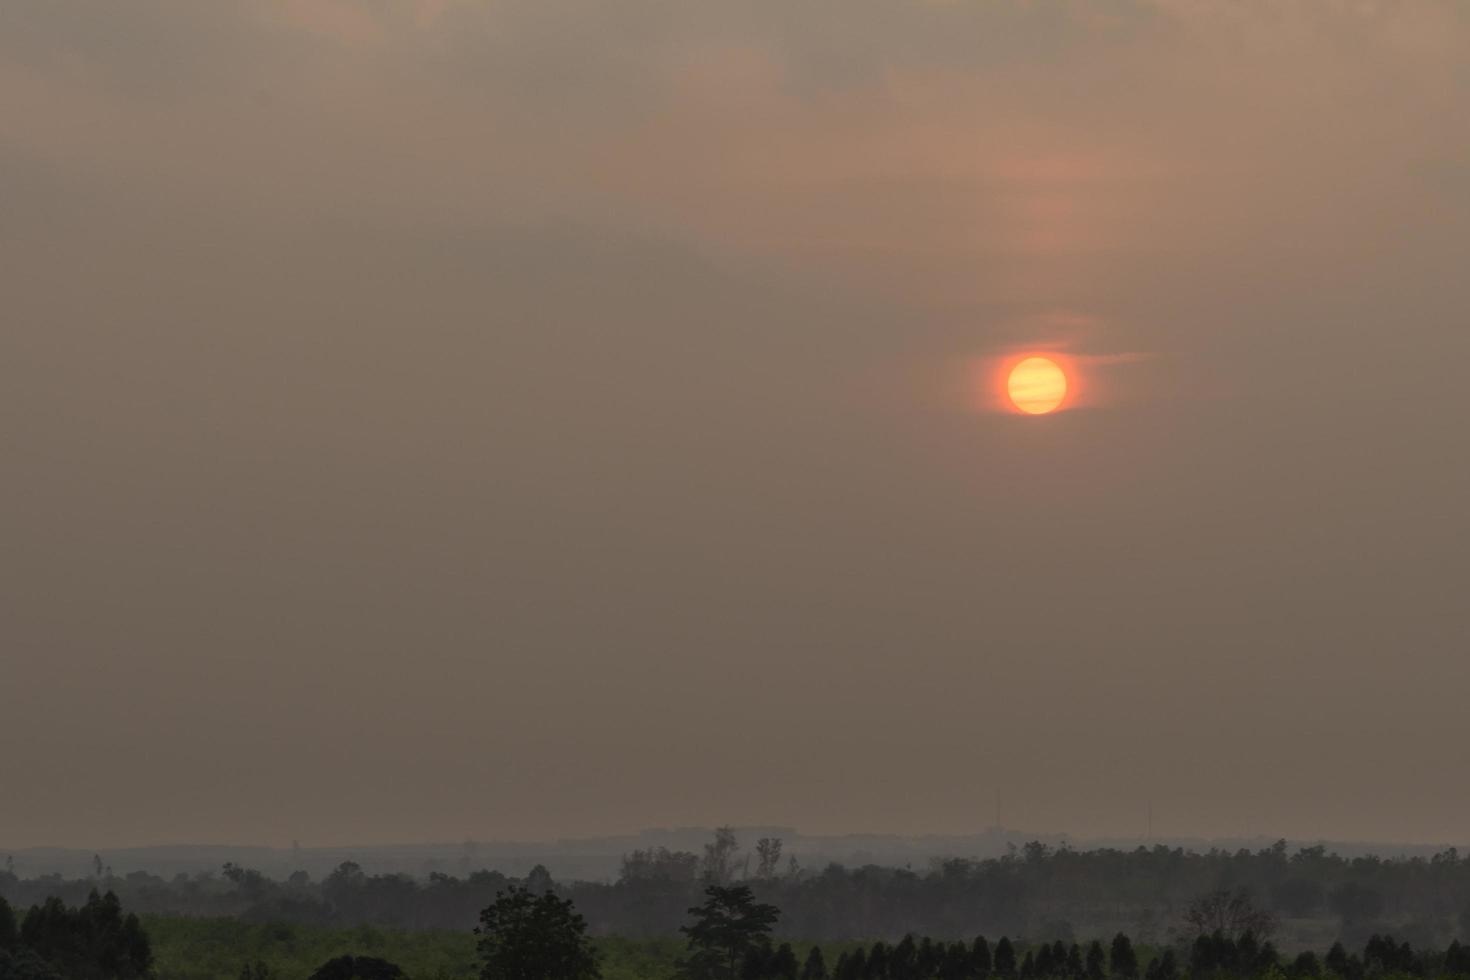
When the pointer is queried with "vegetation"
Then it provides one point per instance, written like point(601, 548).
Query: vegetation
point(730, 937)
point(341, 968)
point(534, 937)
point(1308, 898)
point(351, 926)
point(220, 949)
point(92, 942)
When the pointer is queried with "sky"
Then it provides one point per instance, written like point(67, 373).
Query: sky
point(443, 420)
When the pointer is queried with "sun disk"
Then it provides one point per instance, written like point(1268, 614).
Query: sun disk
point(1037, 385)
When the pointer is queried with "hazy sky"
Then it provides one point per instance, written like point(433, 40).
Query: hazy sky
point(439, 420)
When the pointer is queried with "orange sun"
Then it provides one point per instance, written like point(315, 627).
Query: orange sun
point(1037, 385)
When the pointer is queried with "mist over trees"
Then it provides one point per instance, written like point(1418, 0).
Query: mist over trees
point(1308, 897)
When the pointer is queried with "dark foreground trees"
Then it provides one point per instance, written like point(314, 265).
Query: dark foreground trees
point(534, 937)
point(1166, 967)
point(358, 968)
point(93, 942)
point(729, 929)
point(1121, 958)
point(25, 965)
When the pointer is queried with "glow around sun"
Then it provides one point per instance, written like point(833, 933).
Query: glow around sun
point(1037, 385)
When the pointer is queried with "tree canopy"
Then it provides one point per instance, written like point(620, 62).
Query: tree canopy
point(727, 928)
point(358, 968)
point(534, 937)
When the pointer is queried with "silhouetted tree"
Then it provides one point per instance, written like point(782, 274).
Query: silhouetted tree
point(538, 881)
point(343, 888)
point(755, 964)
point(1204, 955)
point(926, 958)
point(1382, 954)
point(1122, 961)
point(718, 865)
point(815, 968)
point(358, 968)
point(877, 965)
point(902, 959)
point(1075, 969)
point(1305, 966)
point(1164, 967)
point(979, 957)
point(783, 965)
point(727, 926)
point(1247, 950)
point(531, 937)
point(768, 857)
point(93, 942)
point(1005, 957)
point(1096, 961)
point(956, 963)
point(659, 864)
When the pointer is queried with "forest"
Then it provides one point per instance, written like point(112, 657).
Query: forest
point(731, 935)
point(1312, 897)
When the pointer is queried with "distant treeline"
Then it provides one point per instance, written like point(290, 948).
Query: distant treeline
point(1309, 898)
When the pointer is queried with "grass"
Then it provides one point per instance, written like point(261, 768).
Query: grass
point(217, 948)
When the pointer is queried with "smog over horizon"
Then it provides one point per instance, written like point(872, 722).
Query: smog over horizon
point(444, 420)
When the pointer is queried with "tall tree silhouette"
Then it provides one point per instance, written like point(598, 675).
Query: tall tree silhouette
point(726, 927)
point(1122, 961)
point(980, 957)
point(815, 968)
point(9, 934)
point(1005, 957)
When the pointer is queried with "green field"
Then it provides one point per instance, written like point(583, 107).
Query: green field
point(216, 949)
